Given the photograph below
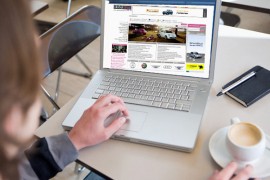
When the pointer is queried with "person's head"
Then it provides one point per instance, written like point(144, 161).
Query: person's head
point(20, 76)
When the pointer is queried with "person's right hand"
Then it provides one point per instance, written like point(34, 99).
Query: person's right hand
point(90, 129)
point(229, 171)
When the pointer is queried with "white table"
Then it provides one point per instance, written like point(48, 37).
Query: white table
point(253, 5)
point(238, 50)
point(38, 6)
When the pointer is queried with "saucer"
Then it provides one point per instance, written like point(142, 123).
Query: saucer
point(221, 155)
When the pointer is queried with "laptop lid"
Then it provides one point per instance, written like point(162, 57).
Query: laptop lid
point(160, 36)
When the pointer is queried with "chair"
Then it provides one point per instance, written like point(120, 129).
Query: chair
point(230, 19)
point(66, 39)
point(86, 75)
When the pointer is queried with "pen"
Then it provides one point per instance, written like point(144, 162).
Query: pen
point(243, 79)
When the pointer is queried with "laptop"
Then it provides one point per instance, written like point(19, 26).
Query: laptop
point(159, 56)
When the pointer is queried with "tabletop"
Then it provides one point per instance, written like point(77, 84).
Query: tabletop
point(258, 5)
point(238, 50)
point(38, 6)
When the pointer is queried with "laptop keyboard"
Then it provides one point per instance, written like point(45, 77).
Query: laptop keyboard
point(149, 91)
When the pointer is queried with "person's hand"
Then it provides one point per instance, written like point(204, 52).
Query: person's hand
point(90, 130)
point(229, 171)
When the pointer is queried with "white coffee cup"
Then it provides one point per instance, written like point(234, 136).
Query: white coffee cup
point(246, 142)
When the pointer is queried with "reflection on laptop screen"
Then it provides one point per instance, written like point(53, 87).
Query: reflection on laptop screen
point(159, 36)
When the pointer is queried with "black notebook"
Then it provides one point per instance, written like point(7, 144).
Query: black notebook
point(252, 89)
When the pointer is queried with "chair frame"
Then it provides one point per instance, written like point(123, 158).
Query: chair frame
point(72, 17)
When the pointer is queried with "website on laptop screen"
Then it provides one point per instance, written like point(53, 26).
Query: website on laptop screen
point(168, 39)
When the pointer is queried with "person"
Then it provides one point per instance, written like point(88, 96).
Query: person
point(20, 78)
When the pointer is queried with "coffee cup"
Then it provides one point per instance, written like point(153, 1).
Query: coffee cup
point(245, 141)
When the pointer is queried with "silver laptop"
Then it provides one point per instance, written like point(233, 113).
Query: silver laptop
point(158, 55)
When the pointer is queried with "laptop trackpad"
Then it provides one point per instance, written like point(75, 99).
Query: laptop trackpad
point(134, 122)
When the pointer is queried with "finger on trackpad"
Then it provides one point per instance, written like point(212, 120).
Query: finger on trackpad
point(134, 121)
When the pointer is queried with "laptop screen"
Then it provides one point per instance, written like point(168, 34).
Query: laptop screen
point(159, 36)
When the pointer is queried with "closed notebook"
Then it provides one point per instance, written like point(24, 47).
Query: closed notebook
point(253, 89)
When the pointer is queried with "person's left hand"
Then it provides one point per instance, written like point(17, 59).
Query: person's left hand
point(90, 129)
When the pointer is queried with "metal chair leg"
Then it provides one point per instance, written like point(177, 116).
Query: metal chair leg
point(70, 71)
point(58, 84)
point(44, 114)
point(55, 105)
point(84, 64)
point(68, 8)
point(85, 75)
point(78, 168)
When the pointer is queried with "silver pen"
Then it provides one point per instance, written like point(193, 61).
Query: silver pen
point(243, 79)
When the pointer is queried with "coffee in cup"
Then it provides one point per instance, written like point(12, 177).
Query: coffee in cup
point(245, 141)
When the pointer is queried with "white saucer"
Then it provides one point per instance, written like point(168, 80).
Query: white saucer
point(220, 154)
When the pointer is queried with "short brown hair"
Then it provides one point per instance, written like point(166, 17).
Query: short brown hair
point(20, 67)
